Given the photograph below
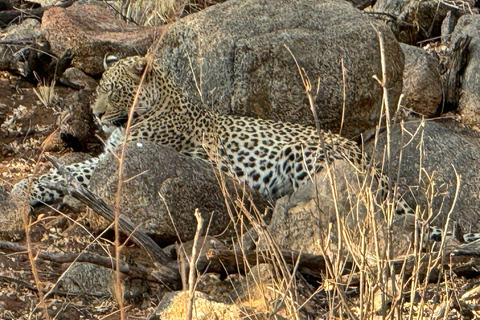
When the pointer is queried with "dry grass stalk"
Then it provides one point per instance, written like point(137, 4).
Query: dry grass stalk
point(192, 276)
point(119, 294)
point(151, 12)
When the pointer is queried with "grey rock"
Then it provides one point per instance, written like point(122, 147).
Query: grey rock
point(12, 212)
point(91, 32)
point(21, 55)
point(236, 54)
point(162, 186)
point(77, 79)
point(422, 84)
point(303, 220)
point(468, 105)
point(174, 306)
point(310, 219)
point(419, 20)
point(77, 128)
point(430, 154)
point(83, 278)
point(448, 25)
point(88, 279)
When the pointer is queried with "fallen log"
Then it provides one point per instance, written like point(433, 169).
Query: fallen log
point(66, 257)
point(308, 264)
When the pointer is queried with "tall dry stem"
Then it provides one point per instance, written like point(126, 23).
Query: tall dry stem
point(193, 264)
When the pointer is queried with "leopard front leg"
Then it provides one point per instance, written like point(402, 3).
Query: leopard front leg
point(37, 191)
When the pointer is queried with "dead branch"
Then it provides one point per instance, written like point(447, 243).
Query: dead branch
point(452, 79)
point(6, 17)
point(67, 257)
point(18, 42)
point(308, 264)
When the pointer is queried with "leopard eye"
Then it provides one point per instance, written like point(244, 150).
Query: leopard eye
point(101, 89)
point(105, 88)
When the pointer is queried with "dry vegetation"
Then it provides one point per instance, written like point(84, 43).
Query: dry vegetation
point(363, 277)
point(158, 12)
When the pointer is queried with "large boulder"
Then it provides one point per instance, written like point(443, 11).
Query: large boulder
point(432, 160)
point(469, 102)
point(341, 202)
point(162, 189)
point(422, 85)
point(242, 55)
point(90, 32)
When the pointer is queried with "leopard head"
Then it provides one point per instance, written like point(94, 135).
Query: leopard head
point(118, 89)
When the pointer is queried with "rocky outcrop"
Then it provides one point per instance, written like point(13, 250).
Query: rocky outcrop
point(432, 161)
point(242, 56)
point(91, 32)
point(23, 48)
point(415, 21)
point(162, 189)
point(422, 85)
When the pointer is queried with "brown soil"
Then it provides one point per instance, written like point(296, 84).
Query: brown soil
point(24, 124)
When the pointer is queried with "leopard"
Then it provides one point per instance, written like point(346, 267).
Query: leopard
point(273, 157)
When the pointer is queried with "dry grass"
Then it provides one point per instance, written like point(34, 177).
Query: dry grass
point(159, 12)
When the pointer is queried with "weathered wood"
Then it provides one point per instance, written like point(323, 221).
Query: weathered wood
point(308, 264)
point(452, 79)
point(66, 257)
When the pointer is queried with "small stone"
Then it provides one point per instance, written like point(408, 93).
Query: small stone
point(422, 85)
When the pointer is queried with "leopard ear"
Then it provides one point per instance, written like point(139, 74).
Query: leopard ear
point(108, 60)
point(140, 66)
